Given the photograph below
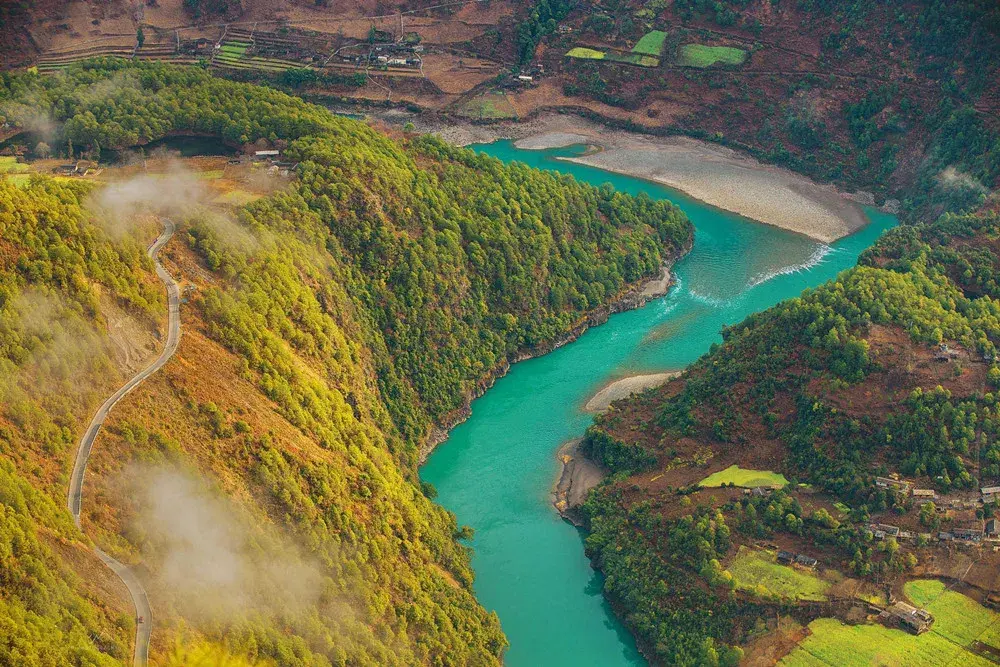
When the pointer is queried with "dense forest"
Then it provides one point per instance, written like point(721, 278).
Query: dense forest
point(369, 300)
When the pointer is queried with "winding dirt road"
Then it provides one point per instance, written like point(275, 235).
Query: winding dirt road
point(140, 600)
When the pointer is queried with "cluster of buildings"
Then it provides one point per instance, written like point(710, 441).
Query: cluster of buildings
point(966, 526)
point(78, 168)
point(276, 166)
point(387, 55)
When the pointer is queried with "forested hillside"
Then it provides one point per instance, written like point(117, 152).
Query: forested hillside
point(866, 94)
point(326, 331)
point(891, 369)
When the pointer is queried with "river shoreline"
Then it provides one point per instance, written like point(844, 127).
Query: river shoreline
point(721, 177)
point(635, 296)
point(577, 476)
point(625, 387)
point(578, 473)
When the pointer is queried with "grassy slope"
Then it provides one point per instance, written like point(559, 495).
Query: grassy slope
point(700, 55)
point(753, 568)
point(745, 478)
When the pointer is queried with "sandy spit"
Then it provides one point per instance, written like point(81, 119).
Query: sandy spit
point(624, 388)
point(716, 175)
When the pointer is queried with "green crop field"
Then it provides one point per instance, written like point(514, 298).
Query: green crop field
point(10, 165)
point(18, 180)
point(489, 105)
point(699, 55)
point(651, 43)
point(956, 617)
point(958, 621)
point(584, 52)
point(236, 197)
point(833, 643)
point(632, 59)
point(754, 567)
point(233, 49)
point(745, 478)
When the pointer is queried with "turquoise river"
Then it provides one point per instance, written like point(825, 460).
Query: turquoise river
point(497, 470)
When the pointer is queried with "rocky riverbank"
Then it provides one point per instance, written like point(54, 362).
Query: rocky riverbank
point(635, 297)
point(579, 475)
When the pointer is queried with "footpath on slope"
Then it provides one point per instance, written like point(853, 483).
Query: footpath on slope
point(143, 612)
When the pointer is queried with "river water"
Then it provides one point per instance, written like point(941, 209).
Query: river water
point(497, 469)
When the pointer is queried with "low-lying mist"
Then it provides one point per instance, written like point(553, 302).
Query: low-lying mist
point(210, 557)
point(177, 193)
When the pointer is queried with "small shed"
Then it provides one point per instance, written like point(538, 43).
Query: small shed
point(805, 561)
point(889, 529)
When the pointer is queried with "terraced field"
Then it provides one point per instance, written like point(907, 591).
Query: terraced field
point(651, 44)
point(614, 56)
point(233, 54)
point(959, 622)
point(744, 477)
point(699, 55)
point(584, 52)
point(755, 568)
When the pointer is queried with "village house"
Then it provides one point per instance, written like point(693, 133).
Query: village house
point(992, 528)
point(908, 617)
point(969, 531)
point(990, 493)
point(805, 561)
point(929, 494)
point(945, 353)
point(786, 557)
point(889, 483)
point(888, 529)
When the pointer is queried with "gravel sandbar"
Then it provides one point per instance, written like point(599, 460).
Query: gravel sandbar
point(624, 388)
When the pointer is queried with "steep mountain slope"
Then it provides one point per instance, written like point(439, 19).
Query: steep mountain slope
point(264, 482)
point(889, 370)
